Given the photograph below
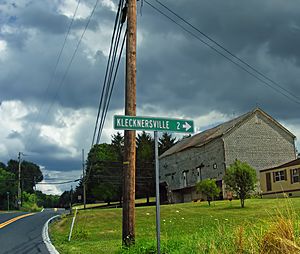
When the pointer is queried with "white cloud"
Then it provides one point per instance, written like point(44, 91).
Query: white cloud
point(51, 176)
point(295, 129)
point(110, 4)
point(11, 113)
point(71, 130)
point(68, 7)
point(3, 46)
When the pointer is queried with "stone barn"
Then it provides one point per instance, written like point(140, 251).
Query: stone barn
point(255, 138)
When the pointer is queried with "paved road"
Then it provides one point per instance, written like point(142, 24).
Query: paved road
point(24, 236)
point(9, 215)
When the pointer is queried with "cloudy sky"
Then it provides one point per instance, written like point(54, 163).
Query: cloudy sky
point(50, 117)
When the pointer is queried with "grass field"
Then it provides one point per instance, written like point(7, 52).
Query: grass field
point(223, 227)
point(137, 201)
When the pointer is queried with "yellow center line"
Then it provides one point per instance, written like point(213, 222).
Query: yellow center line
point(2, 225)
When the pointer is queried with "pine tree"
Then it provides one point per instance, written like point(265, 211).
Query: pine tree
point(166, 142)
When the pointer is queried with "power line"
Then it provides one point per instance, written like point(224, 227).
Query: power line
point(288, 94)
point(110, 69)
point(73, 56)
point(112, 87)
point(119, 20)
point(50, 183)
point(106, 72)
point(229, 52)
point(55, 68)
point(104, 113)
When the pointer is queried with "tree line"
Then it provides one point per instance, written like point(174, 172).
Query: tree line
point(30, 175)
point(104, 169)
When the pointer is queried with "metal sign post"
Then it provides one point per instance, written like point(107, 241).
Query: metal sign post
point(157, 192)
point(154, 124)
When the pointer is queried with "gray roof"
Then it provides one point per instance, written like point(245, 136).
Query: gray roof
point(213, 133)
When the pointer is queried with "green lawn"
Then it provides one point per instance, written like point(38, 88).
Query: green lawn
point(185, 228)
point(137, 201)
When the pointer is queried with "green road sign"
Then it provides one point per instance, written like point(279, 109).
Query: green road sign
point(153, 124)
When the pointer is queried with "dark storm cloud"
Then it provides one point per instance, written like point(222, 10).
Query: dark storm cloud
point(175, 71)
point(50, 155)
point(13, 135)
point(49, 22)
point(16, 40)
point(67, 163)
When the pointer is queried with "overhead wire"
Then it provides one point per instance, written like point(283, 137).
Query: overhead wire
point(49, 183)
point(111, 90)
point(106, 71)
point(73, 56)
point(107, 86)
point(74, 52)
point(55, 68)
point(244, 68)
point(228, 51)
point(110, 68)
point(104, 112)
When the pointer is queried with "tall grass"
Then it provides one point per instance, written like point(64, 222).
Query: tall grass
point(263, 226)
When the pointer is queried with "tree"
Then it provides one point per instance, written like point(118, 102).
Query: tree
point(30, 173)
point(145, 173)
point(65, 199)
point(106, 192)
point(209, 188)
point(166, 142)
point(145, 147)
point(118, 145)
point(103, 167)
point(47, 201)
point(7, 184)
point(241, 179)
point(2, 165)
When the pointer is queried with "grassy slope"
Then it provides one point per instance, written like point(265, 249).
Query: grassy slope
point(185, 228)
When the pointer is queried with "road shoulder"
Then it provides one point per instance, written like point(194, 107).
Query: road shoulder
point(46, 238)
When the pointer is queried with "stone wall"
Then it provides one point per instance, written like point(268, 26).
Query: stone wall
point(193, 164)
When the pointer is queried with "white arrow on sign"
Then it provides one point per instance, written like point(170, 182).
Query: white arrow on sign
point(186, 126)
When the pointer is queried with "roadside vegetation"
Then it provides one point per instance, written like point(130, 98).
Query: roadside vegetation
point(263, 226)
point(32, 200)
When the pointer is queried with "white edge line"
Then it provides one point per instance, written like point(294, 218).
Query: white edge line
point(42, 210)
point(46, 238)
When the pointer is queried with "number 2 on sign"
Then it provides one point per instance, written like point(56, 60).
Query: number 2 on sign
point(178, 125)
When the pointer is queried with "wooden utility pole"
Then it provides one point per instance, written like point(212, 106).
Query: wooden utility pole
point(19, 182)
point(83, 180)
point(128, 233)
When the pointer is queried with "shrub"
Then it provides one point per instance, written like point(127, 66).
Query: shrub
point(241, 179)
point(209, 188)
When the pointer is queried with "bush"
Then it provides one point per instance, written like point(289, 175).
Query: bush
point(29, 203)
point(209, 188)
point(241, 179)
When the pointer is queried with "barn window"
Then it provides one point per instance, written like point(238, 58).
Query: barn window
point(184, 178)
point(257, 120)
point(295, 175)
point(199, 176)
point(279, 176)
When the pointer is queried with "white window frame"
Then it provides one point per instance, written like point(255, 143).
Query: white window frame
point(296, 173)
point(279, 176)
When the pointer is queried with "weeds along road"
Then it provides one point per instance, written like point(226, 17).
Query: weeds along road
point(22, 232)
